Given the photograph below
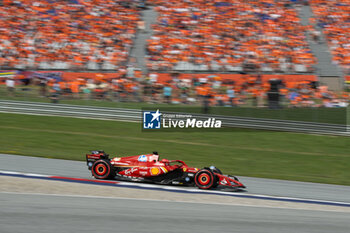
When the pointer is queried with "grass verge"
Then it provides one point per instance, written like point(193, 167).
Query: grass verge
point(255, 153)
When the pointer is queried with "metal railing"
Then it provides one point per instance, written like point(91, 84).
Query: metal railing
point(135, 115)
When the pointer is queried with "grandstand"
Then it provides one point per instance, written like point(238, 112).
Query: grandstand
point(139, 44)
point(334, 18)
point(75, 34)
point(217, 36)
point(229, 36)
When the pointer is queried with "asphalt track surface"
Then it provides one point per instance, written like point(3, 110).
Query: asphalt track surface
point(26, 213)
point(270, 187)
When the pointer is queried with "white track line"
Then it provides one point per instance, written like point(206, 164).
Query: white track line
point(184, 190)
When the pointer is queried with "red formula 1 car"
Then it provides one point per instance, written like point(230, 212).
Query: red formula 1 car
point(148, 168)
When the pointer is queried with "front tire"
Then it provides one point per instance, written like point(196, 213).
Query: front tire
point(204, 179)
point(216, 179)
point(102, 169)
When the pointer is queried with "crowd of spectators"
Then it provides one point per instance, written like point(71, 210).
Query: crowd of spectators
point(334, 17)
point(198, 35)
point(228, 35)
point(67, 34)
point(252, 92)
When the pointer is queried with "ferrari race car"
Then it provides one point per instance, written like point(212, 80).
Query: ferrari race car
point(148, 168)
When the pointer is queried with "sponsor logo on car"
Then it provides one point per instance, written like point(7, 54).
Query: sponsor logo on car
point(142, 158)
point(155, 171)
point(131, 170)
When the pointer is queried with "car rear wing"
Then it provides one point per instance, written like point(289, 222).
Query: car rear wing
point(95, 155)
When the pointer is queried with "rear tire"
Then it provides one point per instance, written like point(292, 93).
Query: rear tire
point(102, 169)
point(204, 179)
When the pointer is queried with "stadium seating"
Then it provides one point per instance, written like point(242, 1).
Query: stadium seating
point(333, 17)
point(231, 35)
point(66, 34)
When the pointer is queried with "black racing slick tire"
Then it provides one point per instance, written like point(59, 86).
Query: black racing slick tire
point(102, 169)
point(216, 178)
point(204, 179)
point(216, 182)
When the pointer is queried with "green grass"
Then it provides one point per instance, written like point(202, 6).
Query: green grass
point(266, 154)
